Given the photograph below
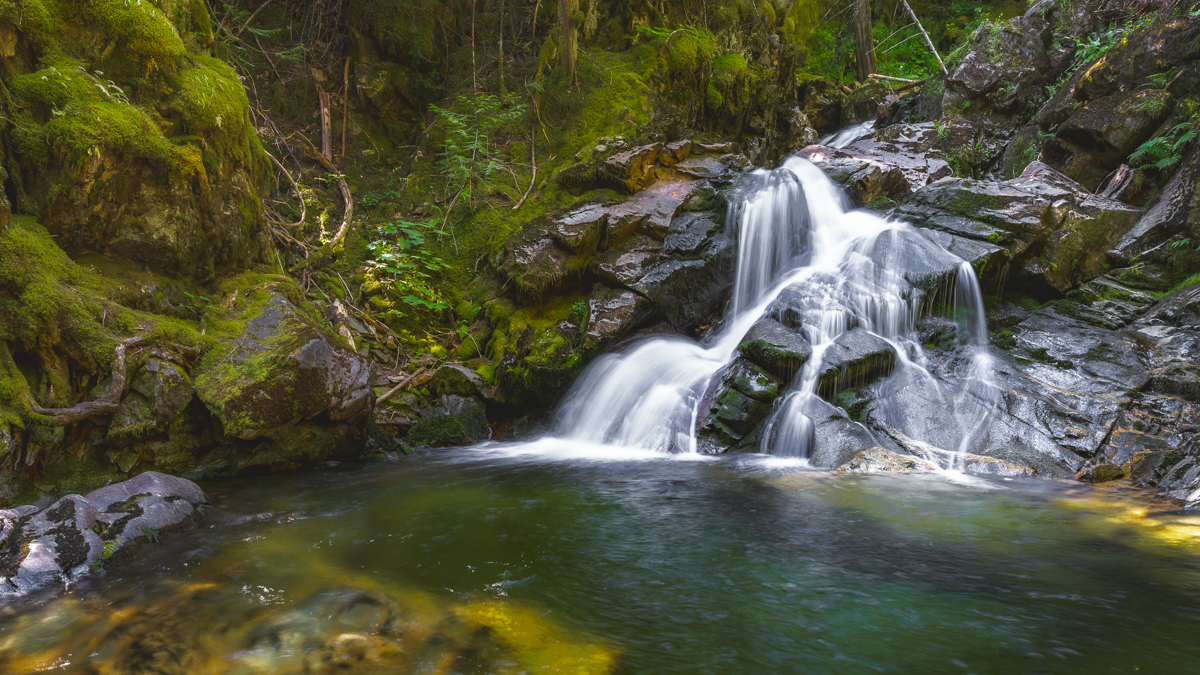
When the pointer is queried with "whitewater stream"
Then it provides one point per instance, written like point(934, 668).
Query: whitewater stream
point(612, 545)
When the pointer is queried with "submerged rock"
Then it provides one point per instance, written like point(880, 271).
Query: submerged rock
point(454, 421)
point(75, 536)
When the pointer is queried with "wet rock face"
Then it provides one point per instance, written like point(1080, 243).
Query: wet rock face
point(822, 102)
point(1001, 81)
point(855, 358)
point(1055, 231)
point(893, 162)
point(772, 346)
point(1094, 140)
point(76, 536)
point(740, 402)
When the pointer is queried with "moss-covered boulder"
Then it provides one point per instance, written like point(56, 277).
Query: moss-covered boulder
point(455, 420)
point(279, 378)
point(1000, 82)
point(129, 139)
point(775, 348)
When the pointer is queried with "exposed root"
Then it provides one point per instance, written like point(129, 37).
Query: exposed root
point(106, 405)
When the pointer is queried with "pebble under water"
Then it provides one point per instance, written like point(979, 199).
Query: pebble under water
point(632, 562)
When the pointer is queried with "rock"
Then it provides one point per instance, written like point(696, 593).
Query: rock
point(1055, 231)
point(822, 101)
point(651, 211)
point(739, 403)
point(1124, 185)
point(532, 260)
point(282, 381)
point(612, 314)
point(633, 170)
point(75, 535)
point(159, 393)
point(1101, 473)
point(451, 378)
point(1176, 212)
point(836, 439)
point(687, 292)
point(879, 460)
point(1001, 81)
point(689, 233)
point(626, 264)
point(454, 421)
point(582, 230)
point(1099, 136)
point(855, 358)
point(894, 161)
point(705, 167)
point(675, 152)
point(865, 103)
point(775, 348)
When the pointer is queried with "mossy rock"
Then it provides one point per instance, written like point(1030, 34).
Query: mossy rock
point(455, 421)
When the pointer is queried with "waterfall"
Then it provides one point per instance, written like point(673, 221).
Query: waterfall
point(853, 269)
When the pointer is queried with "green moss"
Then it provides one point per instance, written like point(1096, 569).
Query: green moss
point(73, 115)
point(211, 102)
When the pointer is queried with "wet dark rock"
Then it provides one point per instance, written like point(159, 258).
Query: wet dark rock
point(1055, 231)
point(822, 101)
point(74, 536)
point(1001, 81)
point(633, 170)
point(1101, 473)
point(686, 292)
point(689, 232)
point(627, 263)
point(651, 211)
point(1097, 137)
point(776, 348)
point(836, 438)
point(581, 231)
point(892, 162)
point(1175, 213)
point(739, 404)
point(534, 262)
point(855, 358)
point(866, 103)
point(1124, 184)
point(612, 314)
point(800, 131)
point(455, 420)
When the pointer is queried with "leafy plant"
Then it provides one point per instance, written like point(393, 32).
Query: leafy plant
point(1164, 152)
point(401, 262)
point(195, 303)
point(467, 159)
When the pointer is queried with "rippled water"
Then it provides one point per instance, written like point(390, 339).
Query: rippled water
point(732, 565)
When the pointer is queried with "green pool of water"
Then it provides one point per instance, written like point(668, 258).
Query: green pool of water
point(644, 565)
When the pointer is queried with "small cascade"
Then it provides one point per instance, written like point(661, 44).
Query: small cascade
point(845, 137)
point(824, 271)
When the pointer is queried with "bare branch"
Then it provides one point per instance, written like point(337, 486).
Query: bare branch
point(105, 405)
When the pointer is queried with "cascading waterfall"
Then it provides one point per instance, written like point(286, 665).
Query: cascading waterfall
point(794, 231)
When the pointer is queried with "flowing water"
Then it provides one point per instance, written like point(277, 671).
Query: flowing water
point(613, 546)
point(731, 565)
point(851, 269)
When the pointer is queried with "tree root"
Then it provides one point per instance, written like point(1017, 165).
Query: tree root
point(106, 405)
point(333, 244)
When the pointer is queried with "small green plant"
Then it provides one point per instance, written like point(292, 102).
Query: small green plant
point(401, 262)
point(467, 159)
point(1164, 152)
point(1160, 80)
point(579, 312)
point(195, 303)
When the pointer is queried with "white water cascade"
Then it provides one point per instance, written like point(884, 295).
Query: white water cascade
point(850, 269)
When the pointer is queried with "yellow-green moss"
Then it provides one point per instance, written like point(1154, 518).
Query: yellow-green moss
point(211, 103)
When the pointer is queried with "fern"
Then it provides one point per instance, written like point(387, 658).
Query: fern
point(1164, 152)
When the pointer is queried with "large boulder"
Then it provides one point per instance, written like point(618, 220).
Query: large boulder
point(75, 536)
point(776, 348)
point(1001, 81)
point(1055, 231)
point(855, 358)
point(280, 381)
point(736, 408)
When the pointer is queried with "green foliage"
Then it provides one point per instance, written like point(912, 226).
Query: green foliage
point(401, 262)
point(467, 157)
point(1042, 356)
point(1164, 152)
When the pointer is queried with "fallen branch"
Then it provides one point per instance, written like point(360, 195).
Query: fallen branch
point(332, 244)
point(910, 86)
point(877, 76)
point(927, 40)
point(532, 159)
point(105, 405)
point(303, 206)
point(403, 383)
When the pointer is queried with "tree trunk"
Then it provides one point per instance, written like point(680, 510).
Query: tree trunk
point(864, 43)
point(566, 36)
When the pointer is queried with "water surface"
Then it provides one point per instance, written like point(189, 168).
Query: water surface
point(736, 565)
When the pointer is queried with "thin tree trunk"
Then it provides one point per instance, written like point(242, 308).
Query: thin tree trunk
point(926, 36)
point(345, 102)
point(326, 127)
point(474, 81)
point(503, 89)
point(566, 36)
point(864, 43)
